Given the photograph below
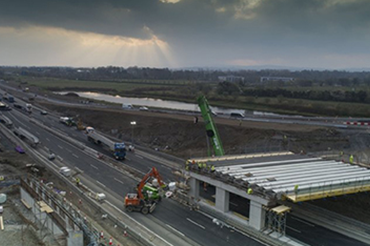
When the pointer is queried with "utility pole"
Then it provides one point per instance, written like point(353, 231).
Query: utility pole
point(133, 124)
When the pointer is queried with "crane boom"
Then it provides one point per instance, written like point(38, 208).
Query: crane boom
point(211, 129)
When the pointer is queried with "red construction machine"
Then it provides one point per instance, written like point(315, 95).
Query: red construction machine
point(140, 202)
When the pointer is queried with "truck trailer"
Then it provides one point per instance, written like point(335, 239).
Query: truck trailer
point(23, 134)
point(118, 149)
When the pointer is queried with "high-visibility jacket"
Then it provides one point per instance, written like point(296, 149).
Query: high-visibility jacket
point(351, 159)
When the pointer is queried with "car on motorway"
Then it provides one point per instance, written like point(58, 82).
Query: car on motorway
point(143, 108)
point(19, 149)
point(16, 105)
point(43, 112)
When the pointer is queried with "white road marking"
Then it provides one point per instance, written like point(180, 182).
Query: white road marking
point(128, 159)
point(166, 167)
point(48, 139)
point(79, 170)
point(37, 133)
point(291, 228)
point(195, 223)
point(100, 183)
point(75, 156)
point(142, 226)
point(182, 234)
point(94, 166)
point(302, 221)
point(119, 181)
point(60, 146)
point(69, 150)
point(140, 157)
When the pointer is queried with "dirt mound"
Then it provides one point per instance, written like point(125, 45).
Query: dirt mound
point(178, 135)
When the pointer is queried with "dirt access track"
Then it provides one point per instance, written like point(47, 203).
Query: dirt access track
point(177, 134)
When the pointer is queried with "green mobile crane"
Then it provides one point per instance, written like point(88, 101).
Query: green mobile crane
point(211, 129)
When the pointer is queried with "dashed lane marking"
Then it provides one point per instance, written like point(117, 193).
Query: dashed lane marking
point(302, 221)
point(100, 183)
point(94, 166)
point(291, 228)
point(195, 223)
point(182, 234)
point(75, 156)
point(119, 181)
point(60, 147)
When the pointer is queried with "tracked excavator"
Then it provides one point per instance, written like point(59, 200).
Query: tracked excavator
point(143, 202)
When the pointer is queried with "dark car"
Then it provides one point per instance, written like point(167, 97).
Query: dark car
point(17, 106)
point(43, 112)
point(19, 149)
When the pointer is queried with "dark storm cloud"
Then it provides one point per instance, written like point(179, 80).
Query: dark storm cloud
point(230, 28)
point(188, 17)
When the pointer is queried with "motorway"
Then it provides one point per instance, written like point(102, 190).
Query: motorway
point(175, 217)
point(169, 214)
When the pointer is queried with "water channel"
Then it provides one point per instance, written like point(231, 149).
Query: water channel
point(159, 103)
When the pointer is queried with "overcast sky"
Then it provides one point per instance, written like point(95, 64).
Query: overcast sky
point(333, 34)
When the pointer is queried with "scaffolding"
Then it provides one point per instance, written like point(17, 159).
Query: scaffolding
point(276, 219)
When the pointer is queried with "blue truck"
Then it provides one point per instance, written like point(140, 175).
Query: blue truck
point(117, 149)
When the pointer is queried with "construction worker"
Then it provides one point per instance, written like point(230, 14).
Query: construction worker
point(200, 166)
point(250, 191)
point(187, 166)
point(351, 159)
point(78, 181)
point(213, 169)
point(296, 188)
point(204, 166)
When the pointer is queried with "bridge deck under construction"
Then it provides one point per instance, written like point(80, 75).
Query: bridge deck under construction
point(293, 177)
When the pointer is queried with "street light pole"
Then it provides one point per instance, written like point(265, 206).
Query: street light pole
point(133, 123)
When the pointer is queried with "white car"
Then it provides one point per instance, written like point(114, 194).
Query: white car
point(143, 108)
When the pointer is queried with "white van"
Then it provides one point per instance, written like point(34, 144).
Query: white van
point(236, 115)
point(127, 106)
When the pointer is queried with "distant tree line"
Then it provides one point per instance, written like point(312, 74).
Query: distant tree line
point(303, 78)
point(325, 95)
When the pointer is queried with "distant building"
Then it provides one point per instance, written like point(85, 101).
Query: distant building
point(283, 79)
point(231, 78)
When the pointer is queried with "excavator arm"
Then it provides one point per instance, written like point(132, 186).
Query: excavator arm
point(152, 173)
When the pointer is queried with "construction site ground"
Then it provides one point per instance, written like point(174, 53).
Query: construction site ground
point(177, 134)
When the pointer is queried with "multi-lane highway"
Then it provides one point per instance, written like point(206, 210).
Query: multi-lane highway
point(176, 218)
point(169, 214)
